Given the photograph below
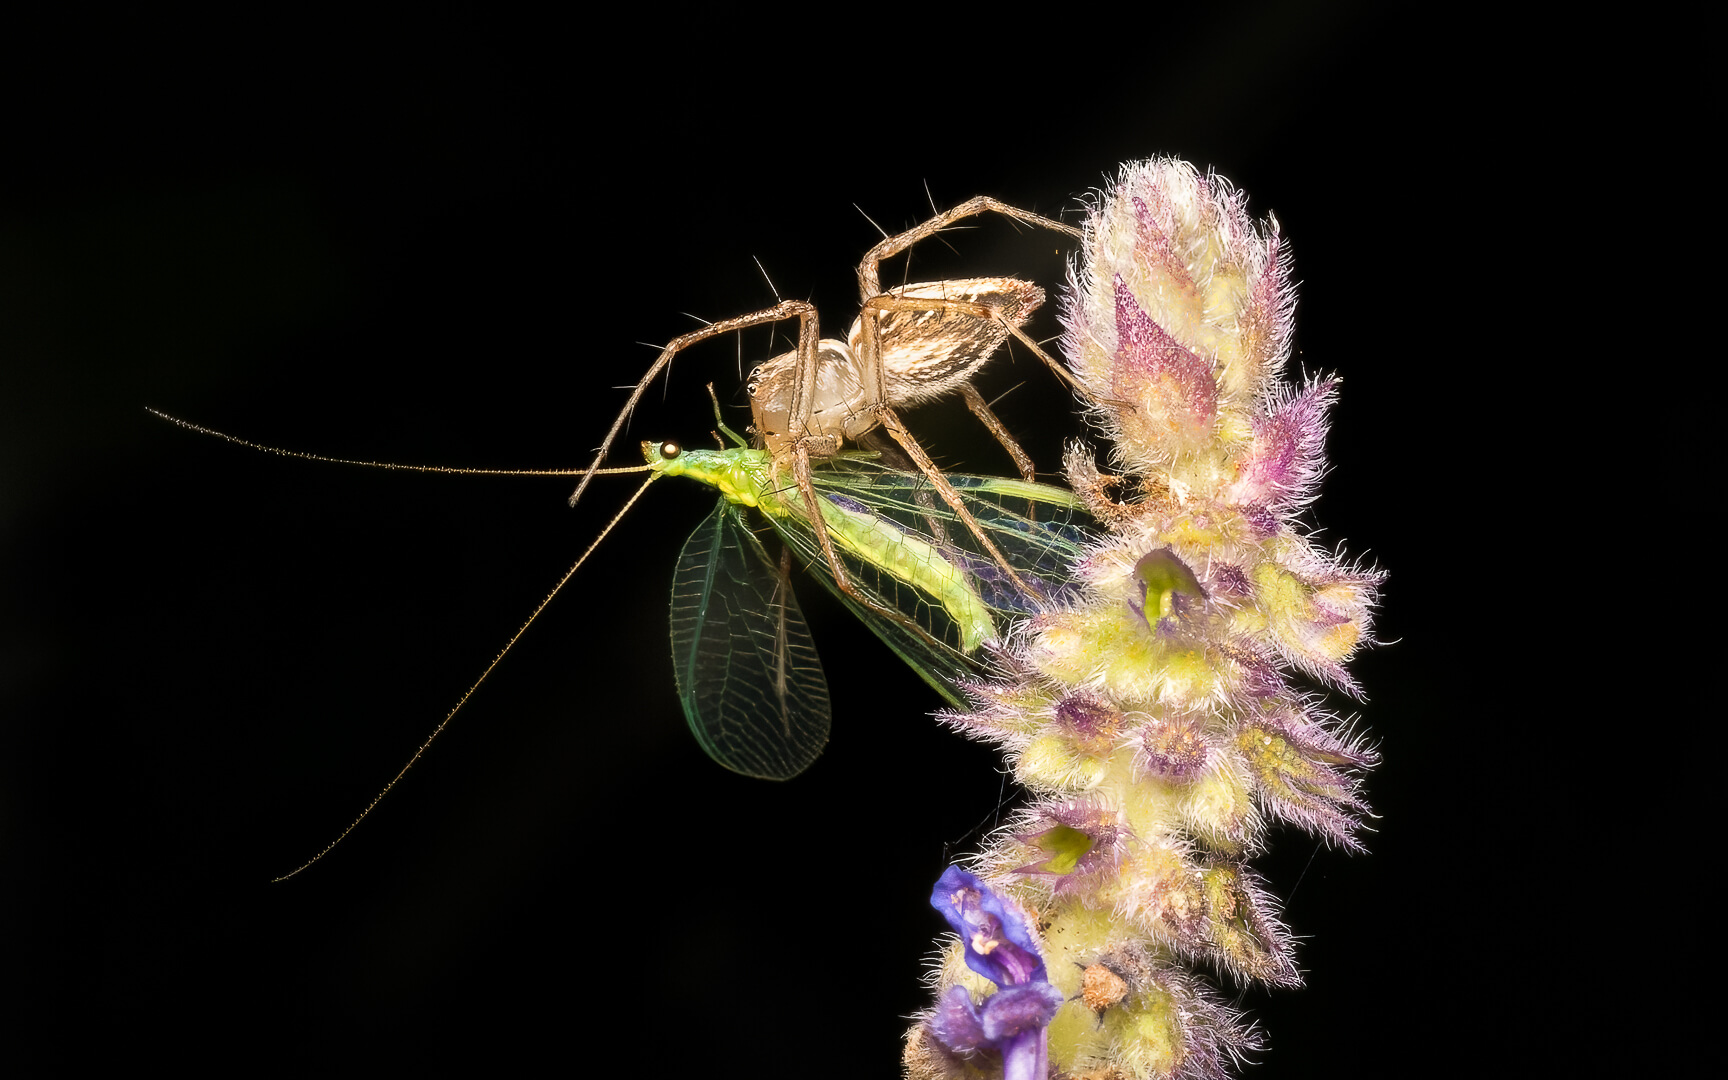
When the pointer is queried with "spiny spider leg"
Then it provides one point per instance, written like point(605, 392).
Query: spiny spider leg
point(882, 413)
point(870, 268)
point(808, 334)
point(874, 371)
point(981, 409)
point(842, 580)
point(907, 443)
point(870, 281)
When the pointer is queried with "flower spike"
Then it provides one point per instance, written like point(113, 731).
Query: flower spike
point(1157, 710)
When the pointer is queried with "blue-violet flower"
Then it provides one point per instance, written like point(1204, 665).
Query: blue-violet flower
point(998, 944)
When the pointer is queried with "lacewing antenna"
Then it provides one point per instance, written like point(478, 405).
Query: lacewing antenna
point(451, 715)
point(466, 694)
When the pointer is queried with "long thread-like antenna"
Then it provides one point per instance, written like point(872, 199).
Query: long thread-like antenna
point(280, 452)
point(454, 709)
point(451, 715)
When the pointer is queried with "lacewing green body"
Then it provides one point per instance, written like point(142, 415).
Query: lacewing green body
point(748, 675)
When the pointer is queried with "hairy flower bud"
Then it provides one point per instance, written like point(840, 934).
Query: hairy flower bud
point(1154, 712)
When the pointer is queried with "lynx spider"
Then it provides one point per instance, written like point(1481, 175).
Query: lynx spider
point(806, 403)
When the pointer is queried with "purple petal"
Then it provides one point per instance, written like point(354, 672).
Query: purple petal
point(1174, 387)
point(999, 945)
point(956, 1021)
point(1016, 1009)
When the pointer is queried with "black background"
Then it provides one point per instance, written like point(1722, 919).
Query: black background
point(448, 243)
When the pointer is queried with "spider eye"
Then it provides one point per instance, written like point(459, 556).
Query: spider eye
point(670, 450)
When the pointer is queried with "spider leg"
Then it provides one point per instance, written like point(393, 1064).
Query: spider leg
point(871, 294)
point(898, 432)
point(1066, 375)
point(1051, 362)
point(801, 310)
point(869, 270)
point(981, 409)
point(842, 580)
point(984, 313)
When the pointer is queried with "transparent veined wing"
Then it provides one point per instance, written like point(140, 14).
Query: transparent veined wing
point(748, 675)
point(1038, 529)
